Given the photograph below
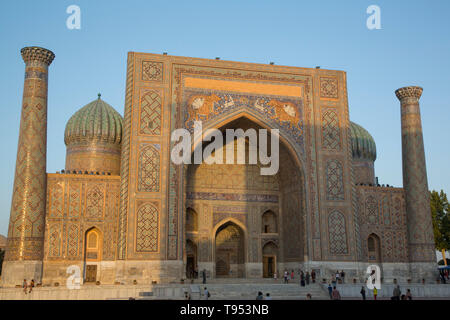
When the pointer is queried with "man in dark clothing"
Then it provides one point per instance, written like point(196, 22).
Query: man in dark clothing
point(397, 293)
point(330, 291)
point(204, 276)
point(343, 276)
point(363, 293)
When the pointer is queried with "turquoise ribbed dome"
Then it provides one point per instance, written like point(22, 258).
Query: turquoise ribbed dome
point(96, 121)
point(363, 145)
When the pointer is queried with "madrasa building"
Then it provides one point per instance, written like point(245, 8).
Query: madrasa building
point(123, 212)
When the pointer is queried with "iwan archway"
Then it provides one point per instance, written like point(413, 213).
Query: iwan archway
point(232, 202)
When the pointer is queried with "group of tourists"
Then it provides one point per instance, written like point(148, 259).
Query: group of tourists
point(27, 286)
point(334, 292)
point(305, 278)
point(396, 294)
point(260, 296)
point(338, 277)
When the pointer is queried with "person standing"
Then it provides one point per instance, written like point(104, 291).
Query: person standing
point(363, 293)
point(337, 275)
point(275, 275)
point(302, 279)
point(285, 276)
point(408, 294)
point(343, 276)
point(375, 293)
point(31, 285)
point(330, 291)
point(397, 293)
point(25, 285)
point(204, 276)
point(292, 275)
point(336, 295)
point(313, 276)
point(307, 277)
point(206, 294)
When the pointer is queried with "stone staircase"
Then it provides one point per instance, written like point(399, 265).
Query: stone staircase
point(238, 289)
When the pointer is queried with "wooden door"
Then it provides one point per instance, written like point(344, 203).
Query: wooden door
point(91, 273)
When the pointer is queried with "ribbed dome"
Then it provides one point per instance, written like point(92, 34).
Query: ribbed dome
point(363, 145)
point(97, 121)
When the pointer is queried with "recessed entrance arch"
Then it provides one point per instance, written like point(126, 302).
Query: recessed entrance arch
point(229, 251)
point(93, 244)
point(272, 206)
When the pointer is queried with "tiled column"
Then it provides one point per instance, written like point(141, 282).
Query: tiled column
point(24, 252)
point(420, 228)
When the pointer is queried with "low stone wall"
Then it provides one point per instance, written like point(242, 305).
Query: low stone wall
point(386, 291)
point(86, 292)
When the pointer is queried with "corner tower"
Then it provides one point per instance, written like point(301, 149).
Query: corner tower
point(25, 243)
point(420, 228)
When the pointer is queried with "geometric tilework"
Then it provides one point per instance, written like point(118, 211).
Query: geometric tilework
point(152, 71)
point(147, 228)
point(372, 209)
point(328, 88)
point(148, 168)
point(72, 240)
point(337, 233)
point(397, 218)
point(74, 201)
point(330, 130)
point(54, 241)
point(94, 203)
point(150, 114)
point(56, 201)
point(334, 180)
point(386, 218)
point(86, 205)
point(385, 207)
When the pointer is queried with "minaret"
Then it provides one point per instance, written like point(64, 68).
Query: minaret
point(418, 212)
point(24, 251)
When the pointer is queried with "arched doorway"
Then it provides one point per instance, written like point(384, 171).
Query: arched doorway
point(374, 248)
point(191, 260)
point(270, 252)
point(92, 254)
point(230, 251)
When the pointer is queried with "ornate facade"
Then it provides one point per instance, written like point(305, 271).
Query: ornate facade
point(122, 211)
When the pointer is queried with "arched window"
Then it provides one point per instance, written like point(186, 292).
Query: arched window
point(93, 245)
point(269, 222)
point(374, 248)
point(92, 240)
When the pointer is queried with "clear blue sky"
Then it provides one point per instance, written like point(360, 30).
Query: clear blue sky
point(413, 48)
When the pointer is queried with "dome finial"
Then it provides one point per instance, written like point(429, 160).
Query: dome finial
point(99, 95)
